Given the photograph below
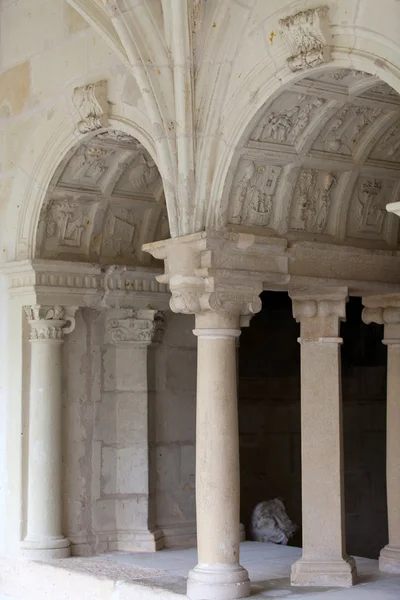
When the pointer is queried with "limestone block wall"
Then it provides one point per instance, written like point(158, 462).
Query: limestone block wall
point(111, 490)
point(269, 421)
point(173, 400)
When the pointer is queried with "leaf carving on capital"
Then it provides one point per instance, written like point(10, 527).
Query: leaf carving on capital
point(312, 200)
point(254, 193)
point(307, 36)
point(91, 103)
point(136, 330)
point(49, 322)
point(371, 207)
point(185, 301)
point(286, 125)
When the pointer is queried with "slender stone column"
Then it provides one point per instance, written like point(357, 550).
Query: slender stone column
point(389, 315)
point(218, 573)
point(324, 561)
point(44, 536)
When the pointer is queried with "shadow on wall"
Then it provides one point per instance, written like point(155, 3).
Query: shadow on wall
point(269, 420)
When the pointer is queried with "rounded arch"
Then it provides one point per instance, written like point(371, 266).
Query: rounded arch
point(39, 164)
point(270, 78)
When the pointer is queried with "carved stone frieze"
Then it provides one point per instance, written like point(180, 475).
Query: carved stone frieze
point(371, 211)
point(140, 327)
point(287, 125)
point(91, 103)
point(307, 36)
point(49, 322)
point(253, 192)
point(312, 201)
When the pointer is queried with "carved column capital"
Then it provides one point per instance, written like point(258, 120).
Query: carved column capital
point(50, 322)
point(319, 311)
point(134, 327)
point(384, 310)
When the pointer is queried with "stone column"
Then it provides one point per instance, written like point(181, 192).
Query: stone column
point(124, 435)
point(218, 573)
point(389, 315)
point(324, 561)
point(44, 536)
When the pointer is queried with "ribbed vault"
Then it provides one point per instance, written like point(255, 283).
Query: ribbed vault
point(105, 200)
point(322, 163)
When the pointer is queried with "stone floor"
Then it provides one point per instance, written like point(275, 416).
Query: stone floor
point(123, 576)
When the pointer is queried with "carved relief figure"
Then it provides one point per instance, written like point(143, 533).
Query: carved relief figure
point(287, 125)
point(255, 190)
point(371, 206)
point(92, 105)
point(313, 201)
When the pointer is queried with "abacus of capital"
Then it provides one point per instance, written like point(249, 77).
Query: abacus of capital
point(385, 310)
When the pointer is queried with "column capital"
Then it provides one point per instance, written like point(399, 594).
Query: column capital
point(218, 272)
point(384, 310)
point(139, 328)
point(50, 322)
point(319, 311)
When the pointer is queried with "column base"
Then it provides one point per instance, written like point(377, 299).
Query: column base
point(139, 541)
point(324, 573)
point(46, 549)
point(218, 582)
point(389, 559)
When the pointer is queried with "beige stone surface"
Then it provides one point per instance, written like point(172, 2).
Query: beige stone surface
point(14, 90)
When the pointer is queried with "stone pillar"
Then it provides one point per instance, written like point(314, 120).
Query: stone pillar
point(125, 446)
point(44, 536)
point(218, 573)
point(388, 314)
point(324, 561)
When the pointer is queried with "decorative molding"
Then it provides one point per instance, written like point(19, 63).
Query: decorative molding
point(91, 102)
point(307, 36)
point(50, 322)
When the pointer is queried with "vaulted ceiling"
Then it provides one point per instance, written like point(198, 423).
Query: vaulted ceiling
point(106, 200)
point(322, 163)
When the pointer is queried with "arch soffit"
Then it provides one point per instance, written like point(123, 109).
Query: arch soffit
point(266, 81)
point(40, 162)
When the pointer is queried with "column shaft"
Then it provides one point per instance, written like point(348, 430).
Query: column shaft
point(218, 574)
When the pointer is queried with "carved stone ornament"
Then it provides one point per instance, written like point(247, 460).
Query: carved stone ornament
point(92, 105)
point(371, 211)
point(319, 311)
point(307, 35)
point(136, 329)
point(49, 322)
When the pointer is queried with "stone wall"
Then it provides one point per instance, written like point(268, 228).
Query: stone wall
point(174, 404)
point(269, 420)
point(106, 493)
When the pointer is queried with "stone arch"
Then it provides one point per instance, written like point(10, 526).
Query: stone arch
point(270, 78)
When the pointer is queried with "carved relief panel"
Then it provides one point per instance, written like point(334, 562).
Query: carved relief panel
point(66, 224)
point(252, 194)
point(120, 234)
point(388, 147)
point(367, 214)
point(345, 130)
point(284, 125)
point(312, 200)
